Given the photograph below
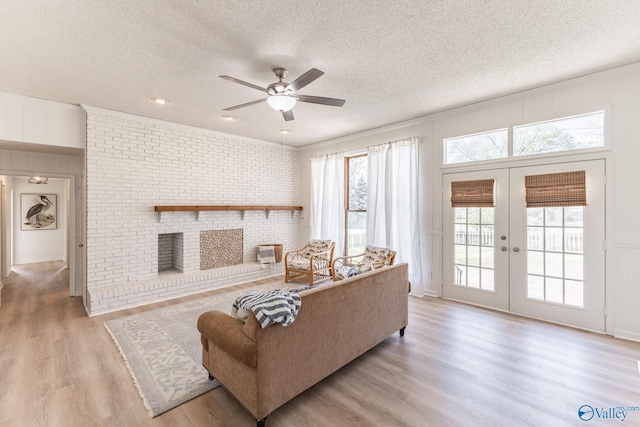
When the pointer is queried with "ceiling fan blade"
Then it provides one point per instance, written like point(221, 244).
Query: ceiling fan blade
point(305, 79)
point(233, 79)
point(321, 100)
point(245, 105)
point(288, 115)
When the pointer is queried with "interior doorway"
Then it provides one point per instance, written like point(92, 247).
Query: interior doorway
point(21, 243)
point(506, 251)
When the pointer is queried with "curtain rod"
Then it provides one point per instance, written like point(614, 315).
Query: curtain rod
point(396, 141)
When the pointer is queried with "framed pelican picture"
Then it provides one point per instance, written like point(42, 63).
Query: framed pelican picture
point(38, 211)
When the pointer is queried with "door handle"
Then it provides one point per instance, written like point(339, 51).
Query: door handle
point(516, 249)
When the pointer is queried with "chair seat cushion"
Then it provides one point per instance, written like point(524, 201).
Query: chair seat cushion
point(299, 264)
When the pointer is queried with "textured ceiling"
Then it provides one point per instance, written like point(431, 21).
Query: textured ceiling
point(391, 60)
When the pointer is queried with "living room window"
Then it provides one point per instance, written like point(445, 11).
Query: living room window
point(355, 204)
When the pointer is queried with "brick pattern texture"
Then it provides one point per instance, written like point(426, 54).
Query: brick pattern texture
point(134, 163)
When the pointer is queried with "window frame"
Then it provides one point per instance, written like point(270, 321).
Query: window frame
point(347, 195)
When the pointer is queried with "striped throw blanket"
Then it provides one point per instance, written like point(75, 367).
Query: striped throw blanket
point(275, 306)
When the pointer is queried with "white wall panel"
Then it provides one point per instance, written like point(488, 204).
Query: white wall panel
point(619, 92)
point(36, 121)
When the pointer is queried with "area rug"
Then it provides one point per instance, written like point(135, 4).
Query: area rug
point(163, 352)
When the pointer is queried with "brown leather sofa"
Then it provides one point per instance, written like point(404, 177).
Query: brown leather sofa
point(336, 323)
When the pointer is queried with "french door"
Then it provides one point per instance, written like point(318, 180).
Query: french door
point(543, 262)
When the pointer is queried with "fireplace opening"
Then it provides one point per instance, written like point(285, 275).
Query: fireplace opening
point(170, 252)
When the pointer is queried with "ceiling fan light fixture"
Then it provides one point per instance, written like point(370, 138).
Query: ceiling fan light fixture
point(281, 102)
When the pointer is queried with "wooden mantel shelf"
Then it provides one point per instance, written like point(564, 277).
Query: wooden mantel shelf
point(242, 208)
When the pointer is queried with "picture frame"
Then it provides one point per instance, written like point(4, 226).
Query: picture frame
point(38, 211)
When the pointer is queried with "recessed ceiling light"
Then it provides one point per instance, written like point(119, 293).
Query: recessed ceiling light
point(284, 131)
point(160, 100)
point(230, 118)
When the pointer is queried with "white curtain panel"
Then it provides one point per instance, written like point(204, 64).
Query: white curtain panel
point(392, 202)
point(327, 199)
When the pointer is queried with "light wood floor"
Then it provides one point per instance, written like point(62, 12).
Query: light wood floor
point(456, 366)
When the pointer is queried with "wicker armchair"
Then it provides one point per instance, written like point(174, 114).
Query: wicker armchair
point(372, 258)
point(312, 263)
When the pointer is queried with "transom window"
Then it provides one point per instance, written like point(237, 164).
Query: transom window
point(477, 147)
point(560, 135)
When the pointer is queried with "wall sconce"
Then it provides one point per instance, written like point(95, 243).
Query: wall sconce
point(38, 179)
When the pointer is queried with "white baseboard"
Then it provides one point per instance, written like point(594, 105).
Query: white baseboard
point(626, 335)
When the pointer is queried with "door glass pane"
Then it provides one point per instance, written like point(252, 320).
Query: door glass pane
point(553, 239)
point(553, 264)
point(486, 257)
point(535, 238)
point(573, 216)
point(555, 259)
point(573, 240)
point(460, 215)
point(574, 292)
point(553, 217)
point(535, 216)
point(460, 254)
point(574, 266)
point(473, 215)
point(486, 279)
point(473, 256)
point(473, 234)
point(460, 274)
point(535, 262)
point(486, 235)
point(487, 215)
point(554, 290)
point(474, 248)
point(473, 277)
point(535, 287)
point(460, 233)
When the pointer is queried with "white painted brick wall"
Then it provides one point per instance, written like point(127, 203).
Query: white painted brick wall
point(134, 163)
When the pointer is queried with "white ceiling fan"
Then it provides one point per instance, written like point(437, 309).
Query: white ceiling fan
point(282, 95)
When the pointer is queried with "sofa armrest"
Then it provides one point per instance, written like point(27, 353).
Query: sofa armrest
point(225, 332)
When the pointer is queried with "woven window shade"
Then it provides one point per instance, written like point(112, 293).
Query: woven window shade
point(556, 189)
point(472, 194)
